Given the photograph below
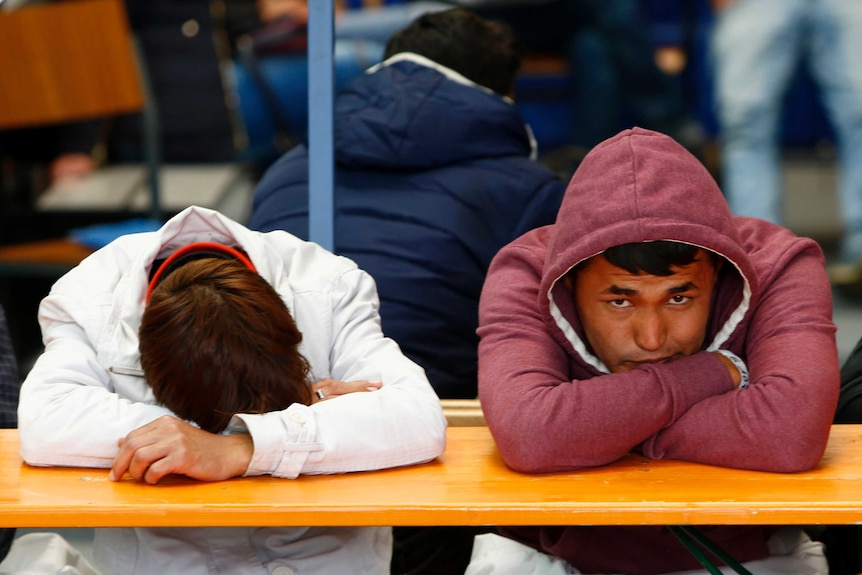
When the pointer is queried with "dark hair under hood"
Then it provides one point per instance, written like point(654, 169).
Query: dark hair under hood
point(642, 186)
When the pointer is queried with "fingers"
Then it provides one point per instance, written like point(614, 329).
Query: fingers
point(150, 463)
point(122, 460)
point(144, 446)
point(172, 446)
point(329, 388)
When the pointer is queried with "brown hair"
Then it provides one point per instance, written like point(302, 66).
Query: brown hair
point(216, 339)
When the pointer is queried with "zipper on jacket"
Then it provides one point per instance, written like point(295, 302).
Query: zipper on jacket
point(119, 370)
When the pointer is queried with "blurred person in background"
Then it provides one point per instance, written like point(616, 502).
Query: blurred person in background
point(757, 46)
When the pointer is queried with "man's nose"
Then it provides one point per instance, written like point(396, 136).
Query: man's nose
point(650, 330)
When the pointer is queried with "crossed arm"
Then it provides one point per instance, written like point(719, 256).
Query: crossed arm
point(170, 445)
point(547, 415)
point(75, 409)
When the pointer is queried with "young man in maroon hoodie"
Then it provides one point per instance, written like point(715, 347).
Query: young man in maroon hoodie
point(650, 319)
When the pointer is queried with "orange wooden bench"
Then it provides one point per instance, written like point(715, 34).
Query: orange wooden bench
point(468, 485)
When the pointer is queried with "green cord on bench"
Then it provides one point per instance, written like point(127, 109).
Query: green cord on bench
point(685, 534)
point(710, 546)
point(694, 550)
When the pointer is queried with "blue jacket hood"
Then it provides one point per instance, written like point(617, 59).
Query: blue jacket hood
point(392, 116)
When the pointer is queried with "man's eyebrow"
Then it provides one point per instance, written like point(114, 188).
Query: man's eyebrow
point(683, 288)
point(617, 290)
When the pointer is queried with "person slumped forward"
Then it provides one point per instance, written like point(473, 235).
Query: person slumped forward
point(208, 350)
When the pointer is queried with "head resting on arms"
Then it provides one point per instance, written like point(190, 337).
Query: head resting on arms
point(216, 339)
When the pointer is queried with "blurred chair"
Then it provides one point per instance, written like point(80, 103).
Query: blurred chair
point(75, 60)
point(63, 62)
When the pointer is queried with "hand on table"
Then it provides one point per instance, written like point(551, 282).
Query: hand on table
point(169, 445)
point(172, 446)
point(330, 388)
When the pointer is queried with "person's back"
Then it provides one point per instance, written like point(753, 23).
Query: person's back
point(844, 542)
point(8, 404)
point(433, 176)
point(849, 408)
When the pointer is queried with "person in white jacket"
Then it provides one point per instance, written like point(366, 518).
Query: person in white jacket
point(86, 402)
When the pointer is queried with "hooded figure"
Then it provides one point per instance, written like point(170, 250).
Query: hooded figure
point(554, 401)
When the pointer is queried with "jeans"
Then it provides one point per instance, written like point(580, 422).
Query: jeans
point(756, 47)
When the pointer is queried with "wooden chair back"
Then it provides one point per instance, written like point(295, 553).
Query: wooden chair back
point(67, 61)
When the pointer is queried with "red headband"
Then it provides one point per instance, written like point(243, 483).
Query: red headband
point(212, 247)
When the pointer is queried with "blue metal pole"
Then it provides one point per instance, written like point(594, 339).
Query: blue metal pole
point(321, 80)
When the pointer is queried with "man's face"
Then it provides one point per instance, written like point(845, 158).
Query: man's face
point(631, 319)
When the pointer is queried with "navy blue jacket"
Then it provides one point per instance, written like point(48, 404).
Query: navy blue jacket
point(433, 177)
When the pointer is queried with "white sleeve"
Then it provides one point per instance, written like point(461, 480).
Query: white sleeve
point(69, 413)
point(402, 423)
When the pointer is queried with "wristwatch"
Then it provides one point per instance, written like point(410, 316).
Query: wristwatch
point(740, 365)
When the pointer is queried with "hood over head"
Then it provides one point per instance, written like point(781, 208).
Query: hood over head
point(642, 186)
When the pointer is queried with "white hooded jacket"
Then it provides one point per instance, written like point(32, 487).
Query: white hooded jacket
point(87, 391)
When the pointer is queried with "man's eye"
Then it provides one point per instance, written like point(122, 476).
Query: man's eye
point(679, 299)
point(620, 303)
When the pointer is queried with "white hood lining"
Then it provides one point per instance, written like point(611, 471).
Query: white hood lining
point(455, 77)
point(428, 63)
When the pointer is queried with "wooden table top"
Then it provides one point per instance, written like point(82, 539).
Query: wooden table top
point(468, 485)
point(48, 258)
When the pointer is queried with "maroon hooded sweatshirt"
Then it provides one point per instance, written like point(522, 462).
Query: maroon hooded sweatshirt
point(552, 405)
